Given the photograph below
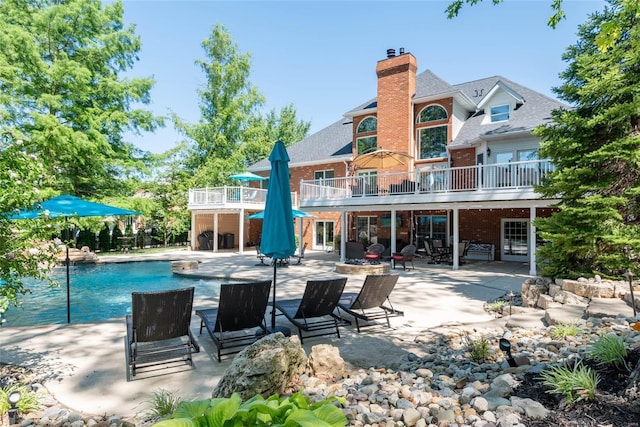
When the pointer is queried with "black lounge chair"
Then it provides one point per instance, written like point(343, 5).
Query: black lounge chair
point(158, 329)
point(313, 313)
point(241, 309)
point(369, 304)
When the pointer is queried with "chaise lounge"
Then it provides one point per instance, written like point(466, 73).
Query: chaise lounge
point(314, 312)
point(158, 329)
point(239, 318)
point(369, 304)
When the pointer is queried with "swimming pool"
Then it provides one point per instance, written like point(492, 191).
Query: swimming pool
point(100, 292)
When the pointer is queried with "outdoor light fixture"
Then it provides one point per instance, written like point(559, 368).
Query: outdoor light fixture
point(488, 152)
point(13, 399)
point(505, 346)
point(629, 275)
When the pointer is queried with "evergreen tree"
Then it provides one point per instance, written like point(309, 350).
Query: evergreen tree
point(595, 148)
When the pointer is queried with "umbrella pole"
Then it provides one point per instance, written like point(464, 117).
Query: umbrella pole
point(67, 261)
point(273, 304)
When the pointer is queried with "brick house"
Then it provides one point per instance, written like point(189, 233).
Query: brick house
point(466, 165)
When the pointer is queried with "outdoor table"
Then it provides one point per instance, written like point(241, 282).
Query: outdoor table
point(125, 243)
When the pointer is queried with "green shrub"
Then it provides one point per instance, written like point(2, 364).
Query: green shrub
point(479, 350)
point(497, 306)
point(294, 410)
point(28, 399)
point(609, 349)
point(575, 384)
point(563, 330)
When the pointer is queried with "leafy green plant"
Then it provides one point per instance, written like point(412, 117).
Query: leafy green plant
point(28, 399)
point(163, 403)
point(479, 350)
point(609, 349)
point(294, 410)
point(497, 306)
point(565, 329)
point(575, 384)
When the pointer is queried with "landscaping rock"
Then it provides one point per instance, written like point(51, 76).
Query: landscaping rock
point(265, 367)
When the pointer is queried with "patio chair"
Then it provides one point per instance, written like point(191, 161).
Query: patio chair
point(313, 313)
point(301, 256)
point(241, 309)
point(374, 252)
point(369, 304)
point(158, 329)
point(404, 256)
point(435, 256)
point(260, 255)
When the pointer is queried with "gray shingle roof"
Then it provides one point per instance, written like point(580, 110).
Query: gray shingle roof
point(332, 143)
point(535, 111)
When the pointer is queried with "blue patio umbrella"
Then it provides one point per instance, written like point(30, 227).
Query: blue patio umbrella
point(278, 239)
point(294, 212)
point(66, 206)
point(247, 176)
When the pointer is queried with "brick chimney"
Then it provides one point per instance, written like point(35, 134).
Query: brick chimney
point(396, 87)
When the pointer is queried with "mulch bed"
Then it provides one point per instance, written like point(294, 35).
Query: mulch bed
point(610, 408)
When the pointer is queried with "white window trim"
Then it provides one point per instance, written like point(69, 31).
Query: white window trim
point(508, 113)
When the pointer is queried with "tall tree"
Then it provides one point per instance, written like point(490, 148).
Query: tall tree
point(596, 149)
point(227, 104)
point(264, 131)
point(60, 84)
point(22, 248)
point(557, 14)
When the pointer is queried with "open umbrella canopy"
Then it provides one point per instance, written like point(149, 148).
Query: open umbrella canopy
point(278, 239)
point(381, 159)
point(295, 212)
point(70, 206)
point(67, 206)
point(247, 176)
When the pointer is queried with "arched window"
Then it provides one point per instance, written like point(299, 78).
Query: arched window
point(432, 113)
point(370, 142)
point(370, 124)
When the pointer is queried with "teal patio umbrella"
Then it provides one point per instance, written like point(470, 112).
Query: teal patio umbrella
point(247, 176)
point(66, 206)
point(294, 212)
point(278, 239)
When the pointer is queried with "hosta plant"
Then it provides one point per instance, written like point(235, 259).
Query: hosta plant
point(293, 411)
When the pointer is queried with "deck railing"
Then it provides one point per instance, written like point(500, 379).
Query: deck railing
point(224, 196)
point(456, 179)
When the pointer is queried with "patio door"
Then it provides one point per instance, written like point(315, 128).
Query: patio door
point(515, 240)
point(430, 228)
point(323, 234)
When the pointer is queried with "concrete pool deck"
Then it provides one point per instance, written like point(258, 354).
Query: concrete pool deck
point(84, 364)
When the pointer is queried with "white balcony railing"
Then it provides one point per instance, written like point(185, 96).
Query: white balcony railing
point(230, 196)
point(512, 175)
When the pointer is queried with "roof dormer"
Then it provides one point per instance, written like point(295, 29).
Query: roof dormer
point(499, 103)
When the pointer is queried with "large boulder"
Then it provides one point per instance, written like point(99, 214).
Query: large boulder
point(325, 363)
point(265, 367)
point(531, 290)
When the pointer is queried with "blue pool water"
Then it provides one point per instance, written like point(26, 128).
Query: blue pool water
point(100, 292)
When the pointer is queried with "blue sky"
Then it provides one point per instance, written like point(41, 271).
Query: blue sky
point(321, 55)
